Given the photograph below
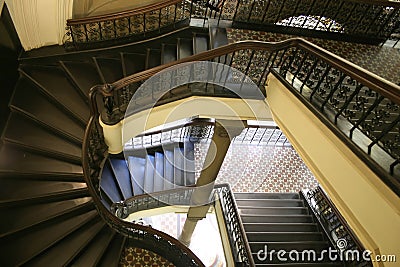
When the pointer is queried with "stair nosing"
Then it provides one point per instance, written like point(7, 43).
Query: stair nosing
point(55, 130)
point(66, 194)
point(52, 99)
point(45, 152)
point(73, 81)
point(92, 217)
point(60, 214)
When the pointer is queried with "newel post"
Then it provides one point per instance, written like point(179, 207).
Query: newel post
point(111, 121)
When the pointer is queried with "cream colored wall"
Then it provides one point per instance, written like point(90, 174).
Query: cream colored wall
point(40, 22)
point(368, 205)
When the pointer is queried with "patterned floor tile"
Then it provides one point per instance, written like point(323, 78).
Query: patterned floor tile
point(250, 168)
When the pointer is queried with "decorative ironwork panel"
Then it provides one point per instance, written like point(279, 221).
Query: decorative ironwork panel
point(228, 9)
point(78, 33)
point(151, 20)
point(334, 225)
point(353, 23)
point(199, 8)
point(94, 31)
point(258, 10)
point(136, 24)
point(381, 120)
point(391, 140)
point(392, 22)
point(122, 27)
point(273, 13)
point(258, 66)
point(107, 31)
point(243, 10)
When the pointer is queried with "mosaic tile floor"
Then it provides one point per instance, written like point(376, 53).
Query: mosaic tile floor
point(207, 247)
point(383, 61)
point(260, 168)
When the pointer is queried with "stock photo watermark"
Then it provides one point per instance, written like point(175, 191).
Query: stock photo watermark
point(326, 255)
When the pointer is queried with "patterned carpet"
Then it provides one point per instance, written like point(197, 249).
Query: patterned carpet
point(383, 61)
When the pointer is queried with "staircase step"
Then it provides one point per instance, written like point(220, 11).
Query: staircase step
point(17, 160)
point(132, 63)
point(153, 58)
point(40, 239)
point(137, 169)
point(55, 85)
point(280, 227)
point(61, 253)
point(168, 169)
point(26, 133)
point(24, 217)
point(109, 69)
point(200, 43)
point(18, 190)
point(83, 74)
point(184, 48)
point(159, 172)
point(189, 166)
point(179, 178)
point(92, 254)
point(30, 102)
point(283, 236)
point(121, 173)
point(111, 257)
point(255, 218)
point(109, 184)
point(257, 195)
point(270, 202)
point(149, 174)
point(168, 53)
point(66, 177)
point(244, 210)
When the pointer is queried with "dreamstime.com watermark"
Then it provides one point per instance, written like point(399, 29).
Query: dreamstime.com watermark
point(325, 255)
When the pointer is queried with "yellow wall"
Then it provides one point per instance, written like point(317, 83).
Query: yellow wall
point(369, 206)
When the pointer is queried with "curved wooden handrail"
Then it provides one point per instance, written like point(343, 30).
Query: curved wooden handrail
point(373, 81)
point(110, 218)
point(122, 14)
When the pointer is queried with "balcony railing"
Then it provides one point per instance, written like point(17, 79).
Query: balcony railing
point(237, 237)
point(122, 27)
point(358, 106)
point(355, 20)
point(337, 229)
point(94, 155)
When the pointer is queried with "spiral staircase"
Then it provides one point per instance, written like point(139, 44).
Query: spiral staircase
point(49, 216)
point(48, 209)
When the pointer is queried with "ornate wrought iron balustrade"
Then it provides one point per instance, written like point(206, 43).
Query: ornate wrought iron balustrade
point(362, 111)
point(123, 27)
point(360, 108)
point(174, 197)
point(372, 21)
point(94, 154)
point(237, 237)
point(337, 229)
